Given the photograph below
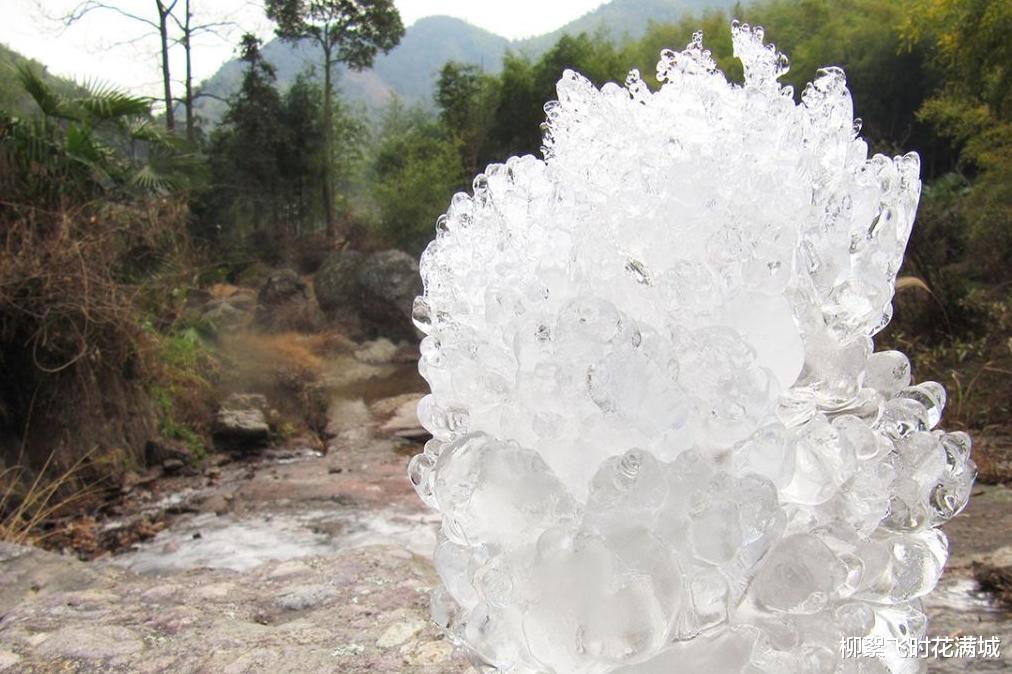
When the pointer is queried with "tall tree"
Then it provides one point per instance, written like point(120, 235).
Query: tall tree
point(468, 99)
point(164, 12)
point(244, 150)
point(159, 22)
point(346, 31)
point(188, 28)
point(301, 156)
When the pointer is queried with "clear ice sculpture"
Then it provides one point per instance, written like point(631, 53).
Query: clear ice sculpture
point(661, 439)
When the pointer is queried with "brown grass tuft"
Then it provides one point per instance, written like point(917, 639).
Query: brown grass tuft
point(24, 509)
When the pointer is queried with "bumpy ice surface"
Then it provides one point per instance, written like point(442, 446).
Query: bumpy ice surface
point(661, 438)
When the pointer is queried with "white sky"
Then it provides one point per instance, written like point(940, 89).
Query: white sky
point(109, 48)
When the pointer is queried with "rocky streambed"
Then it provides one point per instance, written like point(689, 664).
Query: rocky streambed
point(302, 560)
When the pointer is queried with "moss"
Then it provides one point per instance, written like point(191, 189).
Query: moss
point(185, 392)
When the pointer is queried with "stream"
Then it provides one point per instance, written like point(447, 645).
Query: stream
point(303, 504)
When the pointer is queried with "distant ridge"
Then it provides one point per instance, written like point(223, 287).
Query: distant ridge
point(410, 70)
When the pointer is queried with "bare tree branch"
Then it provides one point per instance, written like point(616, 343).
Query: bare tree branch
point(89, 6)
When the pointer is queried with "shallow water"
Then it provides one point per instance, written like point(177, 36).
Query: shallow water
point(230, 542)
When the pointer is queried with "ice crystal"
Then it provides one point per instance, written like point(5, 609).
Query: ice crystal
point(661, 438)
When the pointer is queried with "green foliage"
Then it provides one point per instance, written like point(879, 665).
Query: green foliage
point(526, 86)
point(243, 152)
point(417, 167)
point(468, 98)
point(268, 162)
point(301, 155)
point(972, 42)
point(182, 390)
point(13, 98)
point(348, 32)
point(98, 142)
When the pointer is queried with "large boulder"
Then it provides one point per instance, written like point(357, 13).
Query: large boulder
point(336, 282)
point(280, 286)
point(390, 283)
point(286, 303)
point(373, 292)
point(223, 316)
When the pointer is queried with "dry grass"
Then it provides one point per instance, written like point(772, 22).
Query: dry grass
point(287, 367)
point(909, 282)
point(82, 292)
point(222, 291)
point(294, 351)
point(24, 509)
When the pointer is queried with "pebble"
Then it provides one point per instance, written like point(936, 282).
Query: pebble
point(399, 633)
point(306, 596)
point(431, 653)
point(289, 569)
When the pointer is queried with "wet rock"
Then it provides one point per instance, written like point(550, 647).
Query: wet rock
point(290, 569)
point(286, 303)
point(216, 503)
point(173, 466)
point(159, 452)
point(402, 417)
point(995, 579)
point(241, 422)
point(376, 352)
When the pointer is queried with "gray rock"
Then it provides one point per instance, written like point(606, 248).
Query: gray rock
point(374, 292)
point(162, 452)
point(281, 286)
point(225, 316)
point(390, 282)
point(336, 282)
point(286, 303)
point(92, 642)
point(173, 466)
point(304, 597)
point(241, 422)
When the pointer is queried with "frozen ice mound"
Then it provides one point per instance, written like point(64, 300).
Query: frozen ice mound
point(661, 438)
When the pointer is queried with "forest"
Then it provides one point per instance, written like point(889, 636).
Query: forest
point(114, 216)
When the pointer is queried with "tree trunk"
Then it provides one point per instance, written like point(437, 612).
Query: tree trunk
point(163, 32)
point(328, 144)
point(187, 33)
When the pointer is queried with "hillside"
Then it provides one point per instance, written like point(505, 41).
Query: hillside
point(410, 70)
point(12, 96)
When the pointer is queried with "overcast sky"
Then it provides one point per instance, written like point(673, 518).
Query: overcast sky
point(110, 48)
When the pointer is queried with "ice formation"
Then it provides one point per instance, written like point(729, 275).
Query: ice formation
point(661, 439)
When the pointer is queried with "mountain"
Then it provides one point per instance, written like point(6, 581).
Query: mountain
point(410, 70)
point(623, 18)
